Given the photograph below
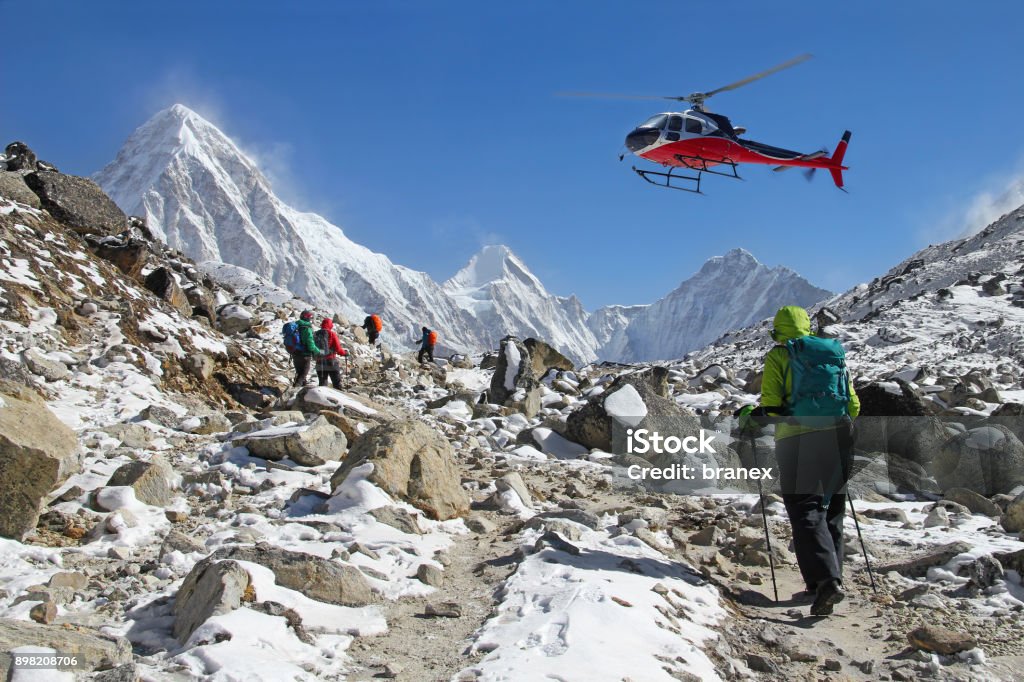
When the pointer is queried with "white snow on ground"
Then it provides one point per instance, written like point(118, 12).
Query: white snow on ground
point(593, 616)
point(337, 400)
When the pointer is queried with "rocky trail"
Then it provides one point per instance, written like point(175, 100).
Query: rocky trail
point(174, 509)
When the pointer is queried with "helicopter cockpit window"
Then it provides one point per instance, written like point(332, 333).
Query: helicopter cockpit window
point(693, 125)
point(654, 122)
point(675, 123)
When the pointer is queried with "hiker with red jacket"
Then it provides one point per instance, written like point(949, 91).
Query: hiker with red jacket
point(328, 363)
point(298, 340)
point(427, 342)
point(372, 325)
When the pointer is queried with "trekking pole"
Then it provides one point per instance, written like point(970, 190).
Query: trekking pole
point(863, 549)
point(764, 519)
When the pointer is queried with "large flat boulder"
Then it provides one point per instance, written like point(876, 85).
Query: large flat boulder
point(318, 578)
point(13, 187)
point(308, 445)
point(987, 459)
point(152, 481)
point(544, 357)
point(96, 651)
point(77, 202)
point(413, 462)
point(37, 453)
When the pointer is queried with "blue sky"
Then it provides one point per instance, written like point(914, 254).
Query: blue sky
point(429, 129)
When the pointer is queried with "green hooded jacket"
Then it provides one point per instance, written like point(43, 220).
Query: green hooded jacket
point(791, 322)
point(309, 346)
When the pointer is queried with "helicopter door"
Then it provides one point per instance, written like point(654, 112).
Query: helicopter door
point(675, 124)
point(694, 126)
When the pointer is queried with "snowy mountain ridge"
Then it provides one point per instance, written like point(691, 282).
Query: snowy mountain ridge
point(201, 194)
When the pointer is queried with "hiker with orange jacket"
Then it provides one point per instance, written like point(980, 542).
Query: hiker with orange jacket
point(328, 363)
point(427, 342)
point(372, 325)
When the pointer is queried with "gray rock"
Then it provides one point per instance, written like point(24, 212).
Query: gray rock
point(396, 517)
point(973, 501)
point(19, 157)
point(448, 609)
point(177, 541)
point(158, 415)
point(199, 365)
point(37, 453)
point(308, 445)
point(234, 318)
point(543, 357)
point(77, 202)
point(131, 435)
point(513, 481)
point(509, 380)
point(96, 651)
point(428, 574)
point(480, 524)
point(1013, 519)
point(313, 576)
point(153, 481)
point(940, 640)
point(917, 567)
point(412, 462)
point(212, 423)
point(588, 519)
point(164, 286)
point(210, 589)
point(13, 187)
point(985, 571)
point(708, 536)
point(987, 460)
point(122, 673)
point(40, 365)
point(74, 580)
point(799, 648)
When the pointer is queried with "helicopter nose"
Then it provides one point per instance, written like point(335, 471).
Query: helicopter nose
point(641, 138)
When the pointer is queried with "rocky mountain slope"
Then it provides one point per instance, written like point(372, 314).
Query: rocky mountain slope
point(202, 195)
point(175, 510)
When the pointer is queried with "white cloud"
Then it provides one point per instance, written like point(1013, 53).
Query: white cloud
point(989, 205)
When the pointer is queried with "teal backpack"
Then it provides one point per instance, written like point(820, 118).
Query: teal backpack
point(820, 381)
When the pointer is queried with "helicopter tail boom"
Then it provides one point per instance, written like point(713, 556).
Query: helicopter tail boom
point(836, 168)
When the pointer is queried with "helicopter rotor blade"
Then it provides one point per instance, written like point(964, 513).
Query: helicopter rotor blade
point(758, 76)
point(614, 95)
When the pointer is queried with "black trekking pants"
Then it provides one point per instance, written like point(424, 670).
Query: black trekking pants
point(813, 470)
point(333, 374)
point(302, 363)
point(425, 350)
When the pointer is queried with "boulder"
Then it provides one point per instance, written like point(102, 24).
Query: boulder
point(40, 365)
point(317, 578)
point(413, 462)
point(37, 453)
point(591, 425)
point(207, 424)
point(130, 256)
point(880, 400)
point(973, 501)
point(986, 459)
point(513, 382)
point(202, 301)
point(131, 435)
point(917, 567)
point(307, 445)
point(199, 365)
point(543, 357)
point(152, 481)
point(13, 187)
point(210, 589)
point(234, 318)
point(95, 651)
point(19, 157)
point(77, 202)
point(164, 286)
point(1013, 519)
point(398, 518)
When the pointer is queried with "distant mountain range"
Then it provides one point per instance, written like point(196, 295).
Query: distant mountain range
point(203, 196)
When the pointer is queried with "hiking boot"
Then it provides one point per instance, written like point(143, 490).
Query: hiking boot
point(829, 594)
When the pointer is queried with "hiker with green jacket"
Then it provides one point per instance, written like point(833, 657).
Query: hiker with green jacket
point(307, 349)
point(806, 391)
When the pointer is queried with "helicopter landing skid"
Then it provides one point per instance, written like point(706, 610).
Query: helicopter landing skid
point(700, 164)
point(668, 177)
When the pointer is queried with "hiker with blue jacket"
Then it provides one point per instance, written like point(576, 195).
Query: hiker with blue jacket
point(806, 391)
point(298, 340)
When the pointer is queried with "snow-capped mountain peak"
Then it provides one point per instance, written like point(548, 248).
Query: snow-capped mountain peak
point(491, 264)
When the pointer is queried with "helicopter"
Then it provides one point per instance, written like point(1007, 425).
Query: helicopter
point(695, 142)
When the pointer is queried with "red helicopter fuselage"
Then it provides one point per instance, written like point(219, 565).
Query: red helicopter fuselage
point(700, 141)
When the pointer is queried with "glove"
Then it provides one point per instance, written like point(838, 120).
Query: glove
point(752, 419)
